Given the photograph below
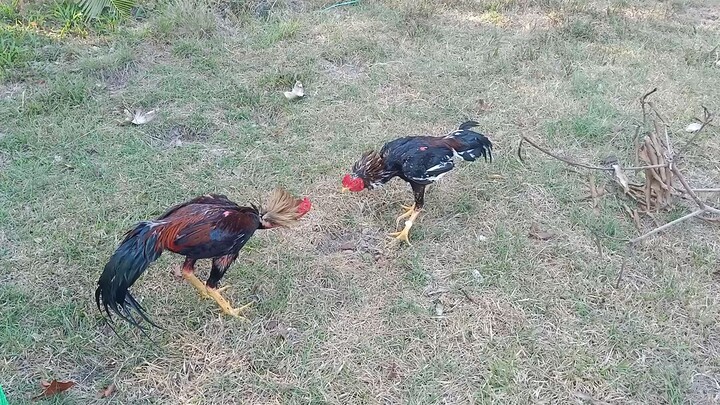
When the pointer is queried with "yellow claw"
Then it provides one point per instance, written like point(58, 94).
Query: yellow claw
point(408, 212)
point(405, 233)
point(225, 306)
point(401, 236)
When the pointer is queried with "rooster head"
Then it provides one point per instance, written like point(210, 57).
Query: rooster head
point(352, 183)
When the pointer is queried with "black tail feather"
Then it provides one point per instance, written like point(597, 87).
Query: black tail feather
point(139, 248)
point(468, 125)
point(472, 144)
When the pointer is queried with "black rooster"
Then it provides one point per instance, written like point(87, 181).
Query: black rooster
point(419, 160)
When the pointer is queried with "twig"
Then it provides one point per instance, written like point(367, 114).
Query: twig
point(689, 190)
point(636, 142)
point(706, 190)
point(643, 102)
point(465, 293)
point(668, 225)
point(593, 192)
point(344, 3)
point(707, 118)
point(628, 250)
point(631, 244)
point(578, 164)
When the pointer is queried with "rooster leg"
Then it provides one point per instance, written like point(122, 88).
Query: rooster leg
point(219, 266)
point(408, 211)
point(188, 269)
point(412, 213)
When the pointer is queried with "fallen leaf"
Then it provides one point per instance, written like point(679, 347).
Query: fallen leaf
point(621, 178)
point(495, 177)
point(694, 127)
point(107, 392)
point(393, 374)
point(439, 310)
point(54, 387)
point(139, 117)
point(537, 233)
point(297, 92)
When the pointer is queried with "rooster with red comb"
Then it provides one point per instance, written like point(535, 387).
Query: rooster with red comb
point(420, 161)
point(207, 227)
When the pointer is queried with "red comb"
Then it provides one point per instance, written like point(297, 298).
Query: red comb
point(304, 206)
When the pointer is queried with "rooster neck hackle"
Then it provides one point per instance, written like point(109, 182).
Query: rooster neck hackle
point(370, 167)
point(281, 209)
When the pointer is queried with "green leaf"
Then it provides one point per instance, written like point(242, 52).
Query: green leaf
point(93, 8)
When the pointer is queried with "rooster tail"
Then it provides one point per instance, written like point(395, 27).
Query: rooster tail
point(470, 145)
point(140, 247)
point(283, 209)
point(468, 125)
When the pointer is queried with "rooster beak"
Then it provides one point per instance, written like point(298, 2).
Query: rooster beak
point(344, 189)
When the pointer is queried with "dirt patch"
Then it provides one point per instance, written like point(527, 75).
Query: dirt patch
point(343, 71)
point(705, 388)
point(349, 241)
point(705, 17)
point(176, 135)
point(9, 90)
point(117, 79)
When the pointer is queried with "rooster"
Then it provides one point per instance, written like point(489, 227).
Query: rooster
point(207, 227)
point(420, 161)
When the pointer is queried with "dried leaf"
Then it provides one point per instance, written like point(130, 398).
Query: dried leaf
point(694, 127)
point(537, 233)
point(495, 177)
point(297, 92)
point(393, 374)
point(139, 117)
point(621, 178)
point(54, 387)
point(439, 310)
point(108, 392)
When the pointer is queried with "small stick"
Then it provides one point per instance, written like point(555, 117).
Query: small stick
point(668, 225)
point(706, 190)
point(628, 250)
point(707, 118)
point(593, 192)
point(577, 164)
point(643, 102)
point(631, 244)
point(687, 188)
point(636, 142)
point(465, 293)
point(344, 3)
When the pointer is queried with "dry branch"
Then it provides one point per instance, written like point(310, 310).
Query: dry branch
point(655, 193)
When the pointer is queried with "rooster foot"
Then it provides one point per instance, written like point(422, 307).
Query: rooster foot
point(408, 212)
point(405, 233)
point(224, 304)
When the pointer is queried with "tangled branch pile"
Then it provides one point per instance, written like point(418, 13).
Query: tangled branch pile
point(662, 178)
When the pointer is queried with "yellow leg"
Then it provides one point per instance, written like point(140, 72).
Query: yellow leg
point(225, 304)
point(192, 279)
point(408, 211)
point(403, 235)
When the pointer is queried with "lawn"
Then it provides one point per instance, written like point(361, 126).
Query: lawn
point(475, 311)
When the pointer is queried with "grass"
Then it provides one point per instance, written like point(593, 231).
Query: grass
point(331, 325)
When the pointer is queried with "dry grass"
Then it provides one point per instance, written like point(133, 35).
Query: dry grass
point(341, 314)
